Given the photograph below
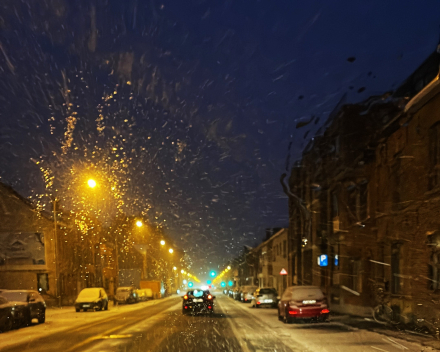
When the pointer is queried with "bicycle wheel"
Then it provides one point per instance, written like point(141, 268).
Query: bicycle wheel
point(384, 315)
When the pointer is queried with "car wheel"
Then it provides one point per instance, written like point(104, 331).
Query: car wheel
point(106, 306)
point(286, 319)
point(280, 318)
point(99, 306)
point(85, 309)
point(9, 324)
point(42, 317)
point(77, 310)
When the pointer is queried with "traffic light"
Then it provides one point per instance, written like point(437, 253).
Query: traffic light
point(223, 284)
point(212, 273)
point(230, 283)
point(208, 282)
point(190, 284)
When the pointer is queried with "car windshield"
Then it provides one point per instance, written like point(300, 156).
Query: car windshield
point(89, 293)
point(192, 146)
point(15, 296)
point(197, 293)
point(265, 291)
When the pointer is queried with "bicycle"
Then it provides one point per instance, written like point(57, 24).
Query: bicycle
point(383, 313)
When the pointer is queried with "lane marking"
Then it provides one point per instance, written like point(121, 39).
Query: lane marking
point(241, 341)
point(108, 332)
point(377, 348)
point(395, 343)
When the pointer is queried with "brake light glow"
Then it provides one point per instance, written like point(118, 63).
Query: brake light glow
point(245, 299)
point(292, 312)
point(324, 311)
point(209, 307)
point(209, 297)
point(186, 307)
point(258, 302)
point(185, 297)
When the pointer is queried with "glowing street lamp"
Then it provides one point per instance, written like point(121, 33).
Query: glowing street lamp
point(174, 268)
point(229, 268)
point(170, 250)
point(182, 271)
point(139, 223)
point(162, 243)
point(92, 183)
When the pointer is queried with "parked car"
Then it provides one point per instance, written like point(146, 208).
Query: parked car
point(237, 294)
point(265, 297)
point(247, 293)
point(144, 294)
point(198, 301)
point(302, 302)
point(92, 298)
point(126, 294)
point(28, 305)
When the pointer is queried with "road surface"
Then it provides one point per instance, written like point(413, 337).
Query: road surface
point(160, 326)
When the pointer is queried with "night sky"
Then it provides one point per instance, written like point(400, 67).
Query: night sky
point(204, 97)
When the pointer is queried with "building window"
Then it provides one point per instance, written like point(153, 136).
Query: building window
point(356, 275)
point(284, 249)
point(43, 283)
point(352, 195)
point(395, 268)
point(335, 205)
point(434, 264)
point(363, 200)
point(434, 155)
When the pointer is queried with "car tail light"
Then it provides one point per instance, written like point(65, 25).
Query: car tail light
point(185, 297)
point(258, 302)
point(209, 307)
point(324, 311)
point(245, 299)
point(209, 297)
point(186, 307)
point(292, 312)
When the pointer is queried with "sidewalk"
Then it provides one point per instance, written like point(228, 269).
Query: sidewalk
point(388, 330)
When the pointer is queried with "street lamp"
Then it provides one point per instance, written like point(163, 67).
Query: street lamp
point(162, 243)
point(229, 268)
point(174, 268)
point(139, 223)
point(92, 183)
point(170, 250)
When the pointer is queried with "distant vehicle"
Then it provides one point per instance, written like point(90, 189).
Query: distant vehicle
point(28, 305)
point(237, 294)
point(302, 302)
point(265, 296)
point(198, 301)
point(6, 315)
point(247, 293)
point(126, 295)
point(144, 294)
point(92, 298)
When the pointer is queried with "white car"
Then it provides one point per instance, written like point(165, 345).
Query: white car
point(247, 293)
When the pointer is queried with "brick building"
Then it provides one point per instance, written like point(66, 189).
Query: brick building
point(369, 202)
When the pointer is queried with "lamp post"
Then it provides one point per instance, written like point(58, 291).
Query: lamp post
point(57, 283)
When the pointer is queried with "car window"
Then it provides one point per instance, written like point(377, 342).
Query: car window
point(307, 293)
point(265, 291)
point(15, 296)
point(89, 293)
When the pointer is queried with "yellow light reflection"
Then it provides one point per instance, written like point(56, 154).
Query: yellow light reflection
point(91, 183)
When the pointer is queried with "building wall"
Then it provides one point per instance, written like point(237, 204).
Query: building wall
point(18, 216)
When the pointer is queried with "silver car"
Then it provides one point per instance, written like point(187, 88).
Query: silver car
point(265, 296)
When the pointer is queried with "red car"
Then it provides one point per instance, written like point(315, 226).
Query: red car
point(302, 302)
